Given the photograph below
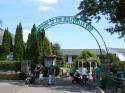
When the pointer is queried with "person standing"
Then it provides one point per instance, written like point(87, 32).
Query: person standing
point(51, 71)
point(97, 73)
point(72, 71)
point(38, 70)
point(93, 75)
point(84, 75)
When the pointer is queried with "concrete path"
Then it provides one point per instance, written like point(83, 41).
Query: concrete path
point(61, 86)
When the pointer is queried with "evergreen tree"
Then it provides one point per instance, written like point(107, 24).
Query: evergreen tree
point(33, 45)
point(19, 44)
point(44, 45)
point(10, 42)
point(28, 48)
point(56, 49)
point(41, 45)
point(7, 42)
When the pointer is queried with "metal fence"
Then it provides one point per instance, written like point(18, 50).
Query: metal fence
point(114, 84)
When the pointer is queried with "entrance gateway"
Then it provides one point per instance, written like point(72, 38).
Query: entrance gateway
point(76, 21)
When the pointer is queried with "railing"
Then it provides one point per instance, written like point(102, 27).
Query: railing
point(113, 83)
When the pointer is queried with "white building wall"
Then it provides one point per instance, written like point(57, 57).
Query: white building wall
point(121, 56)
point(70, 59)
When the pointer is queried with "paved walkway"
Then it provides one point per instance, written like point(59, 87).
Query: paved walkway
point(61, 86)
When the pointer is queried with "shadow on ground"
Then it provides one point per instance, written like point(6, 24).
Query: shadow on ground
point(61, 84)
point(65, 84)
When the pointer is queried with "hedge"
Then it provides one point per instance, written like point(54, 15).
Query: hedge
point(10, 65)
point(12, 76)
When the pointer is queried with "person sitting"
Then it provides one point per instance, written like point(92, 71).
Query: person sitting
point(77, 77)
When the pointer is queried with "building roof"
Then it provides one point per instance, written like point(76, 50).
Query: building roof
point(118, 50)
point(74, 52)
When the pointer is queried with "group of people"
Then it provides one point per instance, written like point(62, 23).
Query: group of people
point(82, 75)
point(38, 72)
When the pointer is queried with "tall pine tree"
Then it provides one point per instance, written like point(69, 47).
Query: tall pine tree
point(33, 46)
point(19, 44)
point(7, 42)
point(28, 48)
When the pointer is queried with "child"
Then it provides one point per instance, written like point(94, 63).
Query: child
point(40, 77)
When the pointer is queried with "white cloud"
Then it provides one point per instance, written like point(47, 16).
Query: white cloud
point(45, 1)
point(25, 34)
point(46, 8)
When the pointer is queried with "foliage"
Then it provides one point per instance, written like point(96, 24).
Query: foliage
point(113, 10)
point(6, 42)
point(114, 67)
point(2, 56)
point(8, 76)
point(19, 44)
point(113, 58)
point(12, 76)
point(33, 46)
point(8, 65)
point(27, 53)
point(57, 71)
point(44, 45)
point(38, 46)
point(56, 49)
point(87, 53)
point(66, 65)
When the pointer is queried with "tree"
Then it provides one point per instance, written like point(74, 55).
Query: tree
point(113, 10)
point(56, 49)
point(113, 58)
point(44, 45)
point(27, 54)
point(32, 45)
point(7, 42)
point(19, 44)
point(85, 54)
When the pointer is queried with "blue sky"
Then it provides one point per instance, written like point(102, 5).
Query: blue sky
point(29, 12)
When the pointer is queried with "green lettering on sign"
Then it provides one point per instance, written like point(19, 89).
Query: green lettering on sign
point(62, 20)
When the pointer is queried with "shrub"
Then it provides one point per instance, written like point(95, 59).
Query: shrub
point(6, 66)
point(8, 75)
point(21, 76)
point(57, 71)
point(114, 67)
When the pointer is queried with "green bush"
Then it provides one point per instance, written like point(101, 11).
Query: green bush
point(57, 71)
point(10, 65)
point(21, 76)
point(114, 67)
point(8, 75)
point(12, 76)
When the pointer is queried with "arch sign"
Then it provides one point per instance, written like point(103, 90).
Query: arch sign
point(77, 21)
point(64, 20)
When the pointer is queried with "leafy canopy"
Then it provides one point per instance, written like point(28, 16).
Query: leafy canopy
point(85, 54)
point(113, 10)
